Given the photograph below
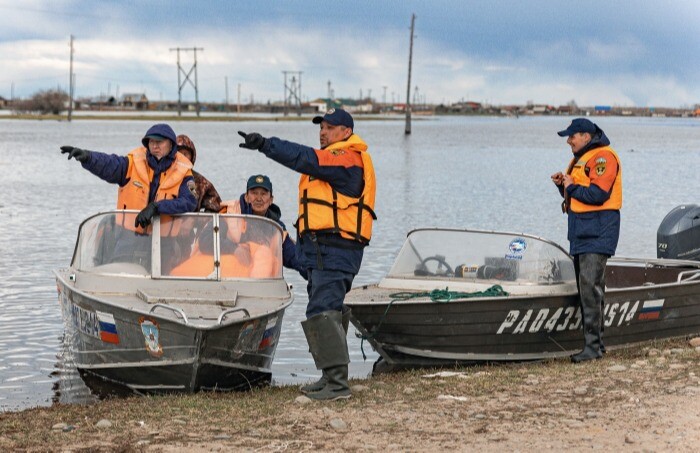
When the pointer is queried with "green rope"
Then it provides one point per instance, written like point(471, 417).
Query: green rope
point(436, 295)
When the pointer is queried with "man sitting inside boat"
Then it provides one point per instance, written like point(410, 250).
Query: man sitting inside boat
point(258, 200)
point(248, 250)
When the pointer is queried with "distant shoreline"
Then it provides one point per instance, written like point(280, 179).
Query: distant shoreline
point(276, 118)
point(185, 118)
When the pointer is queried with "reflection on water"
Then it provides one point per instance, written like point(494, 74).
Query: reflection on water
point(483, 173)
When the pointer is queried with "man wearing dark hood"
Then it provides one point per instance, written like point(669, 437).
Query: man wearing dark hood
point(153, 178)
point(208, 198)
point(592, 191)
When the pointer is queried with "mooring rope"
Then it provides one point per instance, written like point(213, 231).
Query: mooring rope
point(436, 295)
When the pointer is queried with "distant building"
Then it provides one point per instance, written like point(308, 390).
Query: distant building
point(96, 103)
point(136, 101)
point(351, 105)
point(3, 102)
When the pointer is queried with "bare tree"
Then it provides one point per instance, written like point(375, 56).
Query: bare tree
point(44, 102)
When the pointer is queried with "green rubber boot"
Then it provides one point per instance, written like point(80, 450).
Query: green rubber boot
point(321, 383)
point(328, 345)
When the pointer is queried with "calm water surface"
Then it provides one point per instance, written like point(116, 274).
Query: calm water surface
point(484, 173)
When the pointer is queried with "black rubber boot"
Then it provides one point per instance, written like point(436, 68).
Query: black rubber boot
point(321, 383)
point(328, 346)
point(591, 292)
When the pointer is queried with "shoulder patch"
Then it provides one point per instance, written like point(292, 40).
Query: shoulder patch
point(192, 187)
point(600, 164)
point(337, 152)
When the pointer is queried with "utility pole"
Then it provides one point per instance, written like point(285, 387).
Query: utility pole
point(330, 96)
point(292, 91)
point(181, 83)
point(238, 109)
point(408, 88)
point(226, 87)
point(70, 82)
point(384, 96)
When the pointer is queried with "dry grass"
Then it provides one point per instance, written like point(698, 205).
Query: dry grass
point(390, 405)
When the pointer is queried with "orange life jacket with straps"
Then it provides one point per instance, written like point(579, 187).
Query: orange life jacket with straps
point(134, 194)
point(324, 210)
point(577, 170)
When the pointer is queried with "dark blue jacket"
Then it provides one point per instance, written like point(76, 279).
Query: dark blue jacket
point(598, 231)
point(289, 248)
point(113, 168)
point(329, 252)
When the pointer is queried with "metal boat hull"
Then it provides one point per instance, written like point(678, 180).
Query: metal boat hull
point(642, 303)
point(167, 355)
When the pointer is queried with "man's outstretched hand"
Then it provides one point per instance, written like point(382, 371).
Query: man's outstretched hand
point(81, 155)
point(252, 140)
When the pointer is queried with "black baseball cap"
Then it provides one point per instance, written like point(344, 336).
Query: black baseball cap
point(578, 125)
point(336, 117)
point(259, 181)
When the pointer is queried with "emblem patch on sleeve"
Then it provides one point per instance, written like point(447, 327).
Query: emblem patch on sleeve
point(192, 187)
point(600, 166)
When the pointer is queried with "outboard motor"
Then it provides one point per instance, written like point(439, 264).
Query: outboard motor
point(678, 235)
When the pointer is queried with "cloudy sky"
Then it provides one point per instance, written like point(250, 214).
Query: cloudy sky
point(627, 53)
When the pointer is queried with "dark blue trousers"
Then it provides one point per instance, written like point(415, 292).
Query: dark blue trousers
point(327, 289)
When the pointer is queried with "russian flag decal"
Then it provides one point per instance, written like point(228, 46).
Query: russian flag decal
point(268, 338)
point(108, 329)
point(651, 309)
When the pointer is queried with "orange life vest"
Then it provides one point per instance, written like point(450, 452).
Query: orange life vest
point(323, 209)
point(134, 194)
point(577, 170)
point(234, 207)
point(264, 262)
point(264, 258)
point(202, 265)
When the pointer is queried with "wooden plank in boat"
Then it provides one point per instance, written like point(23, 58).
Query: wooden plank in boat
point(186, 296)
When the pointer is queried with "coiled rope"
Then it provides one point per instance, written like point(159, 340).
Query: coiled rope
point(436, 295)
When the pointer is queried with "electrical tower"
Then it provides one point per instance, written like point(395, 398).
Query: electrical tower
point(292, 91)
point(181, 83)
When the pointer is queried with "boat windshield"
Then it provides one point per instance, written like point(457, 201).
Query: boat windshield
point(192, 246)
point(482, 255)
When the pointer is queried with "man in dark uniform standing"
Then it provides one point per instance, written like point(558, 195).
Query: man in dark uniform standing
point(336, 210)
point(592, 191)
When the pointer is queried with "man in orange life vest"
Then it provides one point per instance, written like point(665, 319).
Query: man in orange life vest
point(336, 210)
point(592, 191)
point(258, 200)
point(154, 179)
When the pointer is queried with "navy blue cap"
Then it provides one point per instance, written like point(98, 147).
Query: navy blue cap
point(259, 181)
point(336, 117)
point(578, 125)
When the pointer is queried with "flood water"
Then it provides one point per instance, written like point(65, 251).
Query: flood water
point(482, 173)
